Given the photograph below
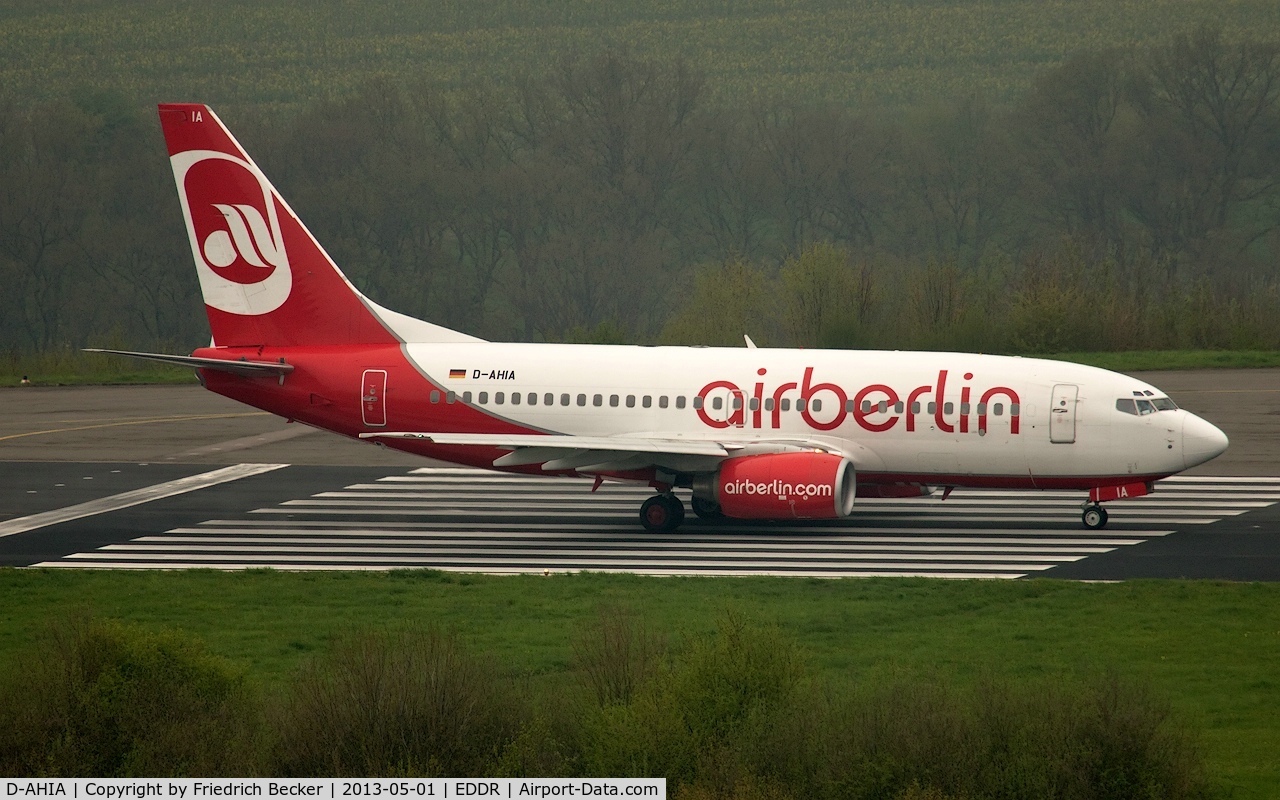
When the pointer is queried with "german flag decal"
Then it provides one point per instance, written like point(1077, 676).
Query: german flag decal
point(454, 374)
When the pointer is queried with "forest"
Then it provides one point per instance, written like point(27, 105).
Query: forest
point(1127, 199)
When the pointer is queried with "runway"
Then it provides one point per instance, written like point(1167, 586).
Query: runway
point(175, 477)
point(474, 521)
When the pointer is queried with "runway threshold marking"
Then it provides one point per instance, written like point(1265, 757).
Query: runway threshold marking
point(135, 497)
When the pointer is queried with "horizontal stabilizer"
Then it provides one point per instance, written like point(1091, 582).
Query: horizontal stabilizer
point(238, 367)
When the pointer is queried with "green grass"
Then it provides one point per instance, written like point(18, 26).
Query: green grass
point(77, 368)
point(289, 51)
point(1211, 648)
point(1139, 360)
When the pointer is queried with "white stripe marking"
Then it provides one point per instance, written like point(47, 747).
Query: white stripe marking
point(134, 498)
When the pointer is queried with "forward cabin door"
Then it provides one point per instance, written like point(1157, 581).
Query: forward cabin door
point(1062, 414)
point(373, 398)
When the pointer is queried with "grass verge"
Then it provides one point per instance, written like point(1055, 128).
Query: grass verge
point(69, 367)
point(1145, 360)
point(1208, 647)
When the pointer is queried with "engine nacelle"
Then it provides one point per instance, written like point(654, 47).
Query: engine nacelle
point(782, 486)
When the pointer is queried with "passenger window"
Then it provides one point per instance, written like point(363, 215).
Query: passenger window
point(466, 397)
point(997, 409)
point(1127, 405)
point(697, 401)
point(582, 400)
point(597, 400)
point(647, 401)
point(816, 404)
point(737, 402)
point(898, 406)
point(786, 404)
point(883, 406)
point(631, 401)
point(948, 408)
point(964, 408)
point(662, 401)
point(515, 398)
point(564, 400)
point(1013, 409)
point(498, 397)
point(549, 399)
point(451, 397)
point(717, 403)
point(754, 404)
point(768, 404)
point(915, 407)
point(933, 407)
point(435, 397)
point(484, 398)
point(866, 406)
point(613, 401)
point(680, 402)
point(982, 409)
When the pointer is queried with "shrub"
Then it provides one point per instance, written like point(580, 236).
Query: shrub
point(100, 698)
point(410, 702)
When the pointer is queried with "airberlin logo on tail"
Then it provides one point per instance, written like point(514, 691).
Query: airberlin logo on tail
point(246, 237)
point(232, 221)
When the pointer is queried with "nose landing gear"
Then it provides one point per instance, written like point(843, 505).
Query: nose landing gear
point(1094, 516)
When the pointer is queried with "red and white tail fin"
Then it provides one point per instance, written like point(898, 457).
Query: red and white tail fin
point(265, 279)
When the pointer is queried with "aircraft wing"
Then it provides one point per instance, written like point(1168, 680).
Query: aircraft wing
point(605, 453)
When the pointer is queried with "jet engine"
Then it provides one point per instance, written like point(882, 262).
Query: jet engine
point(781, 486)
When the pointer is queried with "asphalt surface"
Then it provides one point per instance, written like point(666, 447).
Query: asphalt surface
point(63, 447)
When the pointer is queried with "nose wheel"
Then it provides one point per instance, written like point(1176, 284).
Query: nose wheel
point(662, 513)
point(1094, 516)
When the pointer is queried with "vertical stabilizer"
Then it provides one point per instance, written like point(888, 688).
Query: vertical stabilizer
point(264, 277)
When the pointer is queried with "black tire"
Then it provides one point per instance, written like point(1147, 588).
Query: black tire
point(661, 513)
point(1094, 517)
point(706, 509)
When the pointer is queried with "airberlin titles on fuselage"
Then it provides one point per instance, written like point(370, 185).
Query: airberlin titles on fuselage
point(876, 407)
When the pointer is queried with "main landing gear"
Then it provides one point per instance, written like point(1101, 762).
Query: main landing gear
point(1094, 516)
point(662, 513)
point(706, 509)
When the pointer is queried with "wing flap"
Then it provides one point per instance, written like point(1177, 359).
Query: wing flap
point(568, 444)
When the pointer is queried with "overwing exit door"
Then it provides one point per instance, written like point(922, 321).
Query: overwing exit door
point(1062, 414)
point(373, 400)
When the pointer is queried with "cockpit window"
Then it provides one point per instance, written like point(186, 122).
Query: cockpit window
point(1141, 406)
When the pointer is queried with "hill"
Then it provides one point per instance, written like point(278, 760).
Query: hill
point(286, 52)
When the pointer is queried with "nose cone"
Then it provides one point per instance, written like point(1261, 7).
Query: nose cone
point(1201, 441)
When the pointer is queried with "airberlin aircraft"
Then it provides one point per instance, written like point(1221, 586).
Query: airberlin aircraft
point(755, 433)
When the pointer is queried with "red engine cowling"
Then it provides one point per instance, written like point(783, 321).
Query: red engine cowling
point(784, 486)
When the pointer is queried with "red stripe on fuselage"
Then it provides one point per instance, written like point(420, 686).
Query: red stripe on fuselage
point(1041, 482)
point(324, 390)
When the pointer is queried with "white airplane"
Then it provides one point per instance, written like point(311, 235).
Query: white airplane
point(755, 433)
